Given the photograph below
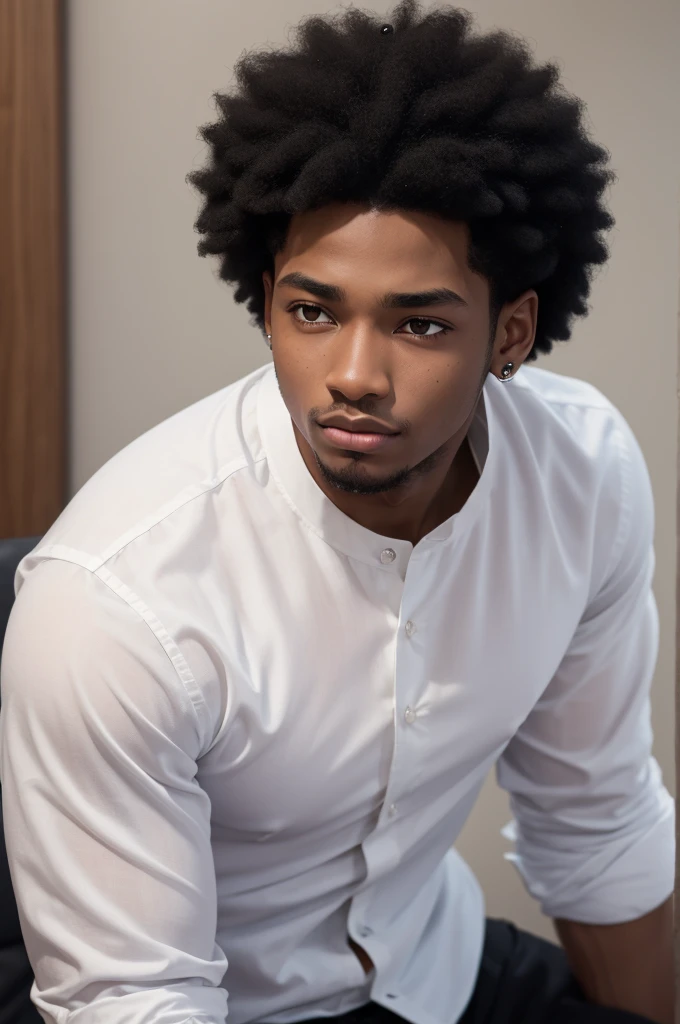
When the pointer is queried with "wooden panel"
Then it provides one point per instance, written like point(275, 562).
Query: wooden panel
point(32, 276)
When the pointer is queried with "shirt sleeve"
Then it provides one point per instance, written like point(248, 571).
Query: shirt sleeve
point(593, 823)
point(107, 829)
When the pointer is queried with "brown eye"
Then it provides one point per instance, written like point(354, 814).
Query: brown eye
point(422, 325)
point(311, 314)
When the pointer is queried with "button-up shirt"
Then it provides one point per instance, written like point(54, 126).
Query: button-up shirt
point(238, 728)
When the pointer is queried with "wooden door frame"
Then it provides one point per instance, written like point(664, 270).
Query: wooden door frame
point(33, 431)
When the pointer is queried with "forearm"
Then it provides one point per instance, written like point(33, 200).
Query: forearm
point(625, 966)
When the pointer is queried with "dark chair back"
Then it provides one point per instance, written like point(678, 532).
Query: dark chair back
point(16, 976)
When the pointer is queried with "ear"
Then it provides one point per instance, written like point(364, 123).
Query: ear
point(515, 332)
point(268, 283)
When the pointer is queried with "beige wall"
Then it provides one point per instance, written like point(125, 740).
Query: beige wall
point(152, 329)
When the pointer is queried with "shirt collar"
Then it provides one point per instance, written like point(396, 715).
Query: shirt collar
point(334, 527)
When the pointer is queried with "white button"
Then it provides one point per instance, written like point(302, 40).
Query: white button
point(392, 810)
point(410, 628)
point(388, 555)
point(410, 715)
point(365, 932)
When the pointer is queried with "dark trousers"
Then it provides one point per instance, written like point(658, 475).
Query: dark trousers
point(522, 980)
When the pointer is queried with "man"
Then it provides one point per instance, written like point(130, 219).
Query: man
point(258, 669)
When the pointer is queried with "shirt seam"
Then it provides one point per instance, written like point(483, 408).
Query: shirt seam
point(174, 504)
point(625, 468)
point(170, 647)
point(604, 406)
point(525, 386)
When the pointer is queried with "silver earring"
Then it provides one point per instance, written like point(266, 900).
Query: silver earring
point(506, 372)
point(269, 340)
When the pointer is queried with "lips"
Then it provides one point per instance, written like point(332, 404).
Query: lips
point(359, 425)
point(358, 441)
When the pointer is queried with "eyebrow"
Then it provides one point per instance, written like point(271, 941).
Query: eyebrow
point(392, 300)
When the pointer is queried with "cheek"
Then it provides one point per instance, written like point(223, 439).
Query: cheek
point(442, 395)
point(296, 384)
point(299, 361)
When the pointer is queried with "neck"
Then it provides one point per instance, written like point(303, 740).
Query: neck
point(459, 484)
point(441, 495)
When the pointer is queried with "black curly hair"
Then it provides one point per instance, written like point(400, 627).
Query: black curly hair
point(419, 114)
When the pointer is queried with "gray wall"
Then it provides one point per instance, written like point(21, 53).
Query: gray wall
point(152, 329)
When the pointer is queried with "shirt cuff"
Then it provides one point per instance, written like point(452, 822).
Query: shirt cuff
point(608, 881)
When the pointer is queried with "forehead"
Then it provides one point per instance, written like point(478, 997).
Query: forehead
point(345, 240)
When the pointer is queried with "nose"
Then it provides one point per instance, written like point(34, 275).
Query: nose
point(359, 363)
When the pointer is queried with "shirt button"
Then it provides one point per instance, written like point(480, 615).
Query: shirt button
point(365, 932)
point(410, 628)
point(392, 810)
point(388, 555)
point(410, 715)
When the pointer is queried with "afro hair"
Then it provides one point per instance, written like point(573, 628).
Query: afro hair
point(417, 114)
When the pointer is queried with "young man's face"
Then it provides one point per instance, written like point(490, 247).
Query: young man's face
point(417, 369)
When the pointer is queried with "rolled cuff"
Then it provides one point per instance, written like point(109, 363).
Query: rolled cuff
point(607, 879)
point(168, 1004)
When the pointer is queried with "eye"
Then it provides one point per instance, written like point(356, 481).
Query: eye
point(308, 307)
point(425, 333)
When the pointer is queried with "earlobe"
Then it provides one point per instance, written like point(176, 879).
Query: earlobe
point(267, 285)
point(519, 334)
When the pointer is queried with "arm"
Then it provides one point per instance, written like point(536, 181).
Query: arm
point(593, 822)
point(626, 966)
point(108, 832)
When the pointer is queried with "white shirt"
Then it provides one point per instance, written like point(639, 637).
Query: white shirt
point(238, 727)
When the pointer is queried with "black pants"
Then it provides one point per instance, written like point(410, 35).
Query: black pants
point(522, 980)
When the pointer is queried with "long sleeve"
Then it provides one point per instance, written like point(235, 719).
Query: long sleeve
point(107, 829)
point(593, 823)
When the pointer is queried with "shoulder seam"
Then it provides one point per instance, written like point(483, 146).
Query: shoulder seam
point(135, 602)
point(623, 462)
point(605, 404)
point(176, 502)
point(94, 562)
point(625, 474)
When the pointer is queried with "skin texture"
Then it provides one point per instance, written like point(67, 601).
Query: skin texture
point(356, 356)
point(359, 357)
point(626, 966)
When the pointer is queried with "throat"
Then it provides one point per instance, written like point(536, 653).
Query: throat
point(462, 481)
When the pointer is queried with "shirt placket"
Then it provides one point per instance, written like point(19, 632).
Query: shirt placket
point(381, 849)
